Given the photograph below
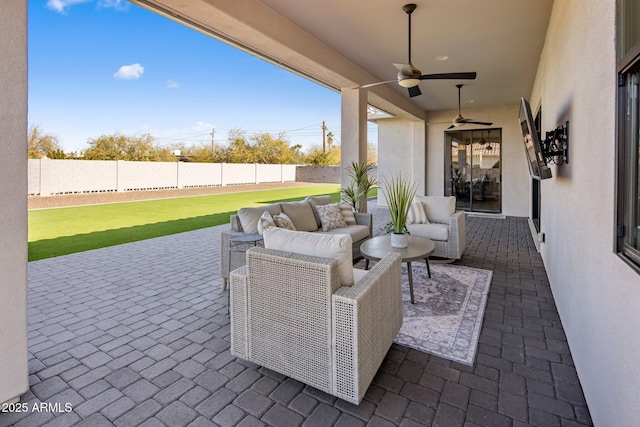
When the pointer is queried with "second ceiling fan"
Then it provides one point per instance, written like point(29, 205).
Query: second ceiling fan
point(410, 77)
point(459, 120)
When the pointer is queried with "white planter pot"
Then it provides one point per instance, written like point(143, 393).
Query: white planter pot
point(399, 240)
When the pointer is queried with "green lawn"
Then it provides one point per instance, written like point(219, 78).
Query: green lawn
point(62, 231)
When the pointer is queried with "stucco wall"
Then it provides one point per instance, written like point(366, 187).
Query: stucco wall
point(597, 295)
point(515, 174)
point(401, 149)
point(13, 213)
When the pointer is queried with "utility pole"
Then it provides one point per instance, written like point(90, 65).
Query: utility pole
point(324, 137)
point(213, 132)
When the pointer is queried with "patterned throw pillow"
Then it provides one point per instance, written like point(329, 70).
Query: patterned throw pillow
point(417, 214)
point(265, 221)
point(346, 210)
point(283, 221)
point(330, 217)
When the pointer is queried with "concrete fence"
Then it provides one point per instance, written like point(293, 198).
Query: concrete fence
point(50, 177)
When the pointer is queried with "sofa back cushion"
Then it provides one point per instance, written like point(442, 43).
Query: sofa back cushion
point(249, 216)
point(301, 214)
point(438, 209)
point(332, 246)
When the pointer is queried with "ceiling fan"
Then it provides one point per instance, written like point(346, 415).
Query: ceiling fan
point(459, 120)
point(410, 77)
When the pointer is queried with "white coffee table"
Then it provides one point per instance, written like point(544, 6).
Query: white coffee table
point(419, 248)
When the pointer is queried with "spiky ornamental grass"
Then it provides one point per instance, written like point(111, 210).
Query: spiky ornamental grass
point(399, 192)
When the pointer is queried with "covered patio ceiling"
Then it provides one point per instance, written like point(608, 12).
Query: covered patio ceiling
point(343, 44)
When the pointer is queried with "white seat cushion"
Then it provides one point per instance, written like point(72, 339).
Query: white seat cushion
point(357, 232)
point(323, 245)
point(431, 231)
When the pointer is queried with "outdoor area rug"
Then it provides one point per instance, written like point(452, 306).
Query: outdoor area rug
point(447, 315)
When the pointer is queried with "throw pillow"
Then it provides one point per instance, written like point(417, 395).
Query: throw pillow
point(265, 221)
point(417, 215)
point(330, 217)
point(316, 201)
point(332, 246)
point(283, 221)
point(346, 210)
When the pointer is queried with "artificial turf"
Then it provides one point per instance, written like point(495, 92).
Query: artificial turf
point(63, 231)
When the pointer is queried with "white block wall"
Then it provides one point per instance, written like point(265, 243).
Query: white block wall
point(48, 177)
point(199, 174)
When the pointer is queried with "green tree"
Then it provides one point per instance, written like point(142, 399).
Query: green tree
point(315, 156)
point(57, 154)
point(122, 147)
point(238, 149)
point(41, 144)
point(275, 150)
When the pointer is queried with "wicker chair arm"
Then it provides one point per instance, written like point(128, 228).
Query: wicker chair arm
point(366, 319)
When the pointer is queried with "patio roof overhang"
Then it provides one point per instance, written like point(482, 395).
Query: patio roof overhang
point(341, 45)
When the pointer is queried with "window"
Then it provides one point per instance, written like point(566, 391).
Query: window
point(628, 206)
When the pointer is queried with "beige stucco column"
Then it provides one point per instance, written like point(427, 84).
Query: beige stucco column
point(13, 199)
point(354, 130)
point(402, 149)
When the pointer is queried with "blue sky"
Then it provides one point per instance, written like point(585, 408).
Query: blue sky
point(104, 66)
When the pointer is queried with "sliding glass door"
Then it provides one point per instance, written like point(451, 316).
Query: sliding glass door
point(473, 169)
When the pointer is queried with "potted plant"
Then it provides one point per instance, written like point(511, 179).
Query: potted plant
point(398, 193)
point(362, 183)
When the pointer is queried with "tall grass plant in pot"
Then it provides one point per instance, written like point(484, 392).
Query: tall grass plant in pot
point(399, 192)
point(362, 183)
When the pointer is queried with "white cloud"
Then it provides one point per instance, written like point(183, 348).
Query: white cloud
point(120, 5)
point(61, 5)
point(129, 72)
point(172, 84)
point(201, 126)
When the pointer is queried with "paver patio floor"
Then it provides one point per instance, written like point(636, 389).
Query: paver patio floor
point(137, 334)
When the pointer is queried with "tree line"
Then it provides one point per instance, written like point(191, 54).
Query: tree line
point(240, 148)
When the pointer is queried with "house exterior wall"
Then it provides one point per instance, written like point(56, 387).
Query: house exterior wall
point(13, 215)
point(597, 295)
point(515, 172)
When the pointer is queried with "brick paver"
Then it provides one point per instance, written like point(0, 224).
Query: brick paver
point(137, 334)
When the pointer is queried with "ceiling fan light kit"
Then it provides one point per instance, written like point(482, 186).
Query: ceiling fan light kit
point(407, 81)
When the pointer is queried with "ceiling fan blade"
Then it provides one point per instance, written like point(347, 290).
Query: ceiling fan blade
point(449, 76)
point(451, 127)
point(414, 91)
point(473, 122)
point(375, 84)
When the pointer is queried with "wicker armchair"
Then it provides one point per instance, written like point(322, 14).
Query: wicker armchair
point(290, 314)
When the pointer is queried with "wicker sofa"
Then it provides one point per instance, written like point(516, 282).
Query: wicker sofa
point(442, 224)
point(291, 313)
point(304, 217)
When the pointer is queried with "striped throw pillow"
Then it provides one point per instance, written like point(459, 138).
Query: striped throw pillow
point(417, 214)
point(346, 210)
